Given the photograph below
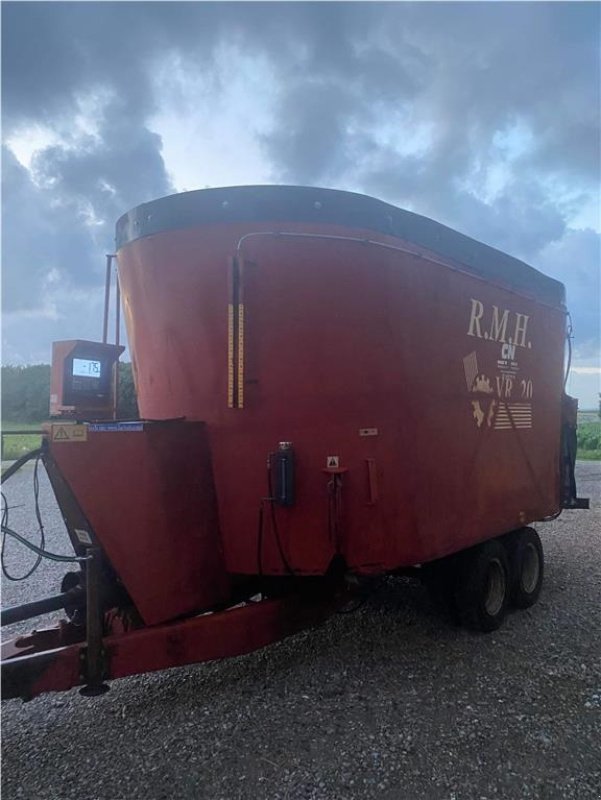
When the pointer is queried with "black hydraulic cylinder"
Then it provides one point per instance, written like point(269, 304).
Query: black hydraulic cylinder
point(73, 597)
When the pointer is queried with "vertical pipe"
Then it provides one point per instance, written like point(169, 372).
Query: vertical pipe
point(107, 298)
point(117, 337)
point(94, 653)
point(117, 309)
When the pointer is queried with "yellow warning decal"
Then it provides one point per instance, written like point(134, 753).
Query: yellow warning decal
point(230, 356)
point(240, 376)
point(69, 432)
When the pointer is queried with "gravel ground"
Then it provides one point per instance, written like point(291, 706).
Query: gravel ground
point(389, 702)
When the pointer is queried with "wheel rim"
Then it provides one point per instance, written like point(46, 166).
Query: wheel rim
point(530, 569)
point(495, 588)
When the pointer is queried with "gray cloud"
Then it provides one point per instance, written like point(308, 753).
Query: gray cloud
point(477, 67)
point(61, 217)
point(521, 220)
point(460, 74)
point(41, 240)
point(312, 141)
point(570, 260)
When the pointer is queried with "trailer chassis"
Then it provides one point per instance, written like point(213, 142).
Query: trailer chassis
point(51, 661)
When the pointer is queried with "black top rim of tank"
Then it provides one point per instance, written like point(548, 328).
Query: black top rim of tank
point(308, 204)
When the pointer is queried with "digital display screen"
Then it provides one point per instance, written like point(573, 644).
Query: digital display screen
point(85, 368)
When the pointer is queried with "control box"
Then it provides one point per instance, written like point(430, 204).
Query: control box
point(82, 381)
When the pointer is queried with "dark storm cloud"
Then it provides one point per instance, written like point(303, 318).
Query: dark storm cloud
point(521, 220)
point(474, 69)
point(38, 237)
point(113, 174)
point(313, 140)
point(343, 70)
point(56, 56)
point(60, 57)
point(52, 51)
point(64, 221)
point(570, 260)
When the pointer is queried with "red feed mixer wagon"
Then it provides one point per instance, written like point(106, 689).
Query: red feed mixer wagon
point(330, 388)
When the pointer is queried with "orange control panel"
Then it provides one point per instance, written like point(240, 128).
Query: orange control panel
point(82, 384)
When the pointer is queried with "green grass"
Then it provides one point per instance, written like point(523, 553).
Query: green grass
point(589, 441)
point(14, 447)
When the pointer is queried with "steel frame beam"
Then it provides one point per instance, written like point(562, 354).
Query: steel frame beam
point(207, 637)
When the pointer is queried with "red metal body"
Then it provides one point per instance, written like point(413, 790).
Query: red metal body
point(47, 661)
point(147, 492)
point(438, 391)
point(408, 379)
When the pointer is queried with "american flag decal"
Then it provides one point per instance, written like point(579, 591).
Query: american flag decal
point(513, 415)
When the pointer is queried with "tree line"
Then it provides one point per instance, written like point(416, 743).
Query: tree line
point(26, 393)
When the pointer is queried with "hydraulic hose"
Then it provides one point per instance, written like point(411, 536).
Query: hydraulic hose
point(16, 466)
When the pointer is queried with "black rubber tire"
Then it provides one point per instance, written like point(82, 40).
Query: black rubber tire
point(439, 578)
point(527, 566)
point(483, 586)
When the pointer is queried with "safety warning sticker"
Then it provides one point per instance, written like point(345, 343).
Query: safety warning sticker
point(83, 536)
point(69, 432)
